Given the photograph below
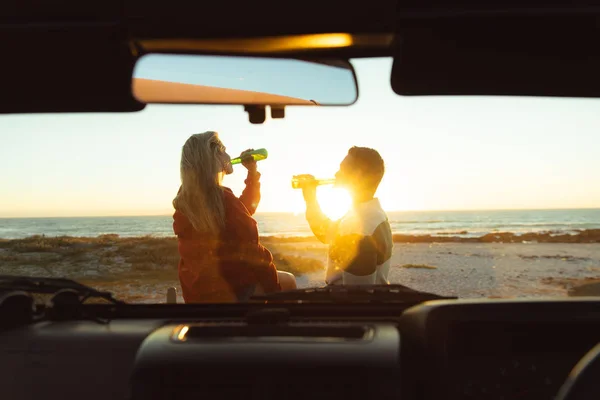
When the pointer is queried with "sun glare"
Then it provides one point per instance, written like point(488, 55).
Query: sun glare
point(334, 202)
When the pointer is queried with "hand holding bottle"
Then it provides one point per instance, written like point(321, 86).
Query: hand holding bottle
point(308, 184)
point(257, 155)
point(248, 161)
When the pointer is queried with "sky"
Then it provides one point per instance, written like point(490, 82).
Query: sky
point(441, 153)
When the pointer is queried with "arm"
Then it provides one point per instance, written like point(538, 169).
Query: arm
point(319, 224)
point(251, 195)
point(267, 276)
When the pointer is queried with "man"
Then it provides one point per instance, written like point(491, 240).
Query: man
point(360, 243)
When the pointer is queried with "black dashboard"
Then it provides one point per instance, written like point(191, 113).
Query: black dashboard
point(498, 349)
point(503, 360)
point(465, 349)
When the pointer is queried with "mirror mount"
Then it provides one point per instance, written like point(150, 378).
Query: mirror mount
point(277, 112)
point(257, 114)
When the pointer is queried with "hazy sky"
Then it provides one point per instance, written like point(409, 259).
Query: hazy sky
point(440, 153)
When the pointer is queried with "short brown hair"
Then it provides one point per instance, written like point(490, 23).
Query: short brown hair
point(368, 161)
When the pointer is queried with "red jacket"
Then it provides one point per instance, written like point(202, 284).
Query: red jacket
point(215, 270)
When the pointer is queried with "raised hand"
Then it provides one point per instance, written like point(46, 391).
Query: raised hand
point(309, 187)
point(248, 161)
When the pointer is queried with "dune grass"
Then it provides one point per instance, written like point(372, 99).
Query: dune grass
point(132, 268)
point(131, 254)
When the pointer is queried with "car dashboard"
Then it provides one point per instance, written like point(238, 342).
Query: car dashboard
point(460, 349)
point(497, 349)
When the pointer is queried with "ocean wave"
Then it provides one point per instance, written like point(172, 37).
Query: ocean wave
point(577, 236)
point(582, 236)
point(509, 225)
point(434, 221)
point(435, 224)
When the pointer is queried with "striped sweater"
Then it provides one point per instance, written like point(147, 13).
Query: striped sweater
point(360, 243)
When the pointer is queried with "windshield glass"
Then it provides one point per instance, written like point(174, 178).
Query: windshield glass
point(480, 197)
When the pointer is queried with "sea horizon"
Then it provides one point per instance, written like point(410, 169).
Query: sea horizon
point(464, 223)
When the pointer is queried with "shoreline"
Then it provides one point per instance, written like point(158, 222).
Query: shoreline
point(581, 236)
point(578, 236)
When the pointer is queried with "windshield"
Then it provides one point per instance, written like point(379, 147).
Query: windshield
point(479, 197)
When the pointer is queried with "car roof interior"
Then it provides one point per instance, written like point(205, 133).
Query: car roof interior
point(531, 49)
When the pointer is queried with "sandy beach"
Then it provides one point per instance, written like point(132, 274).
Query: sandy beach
point(490, 269)
point(140, 269)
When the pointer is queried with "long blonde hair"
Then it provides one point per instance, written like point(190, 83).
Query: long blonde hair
point(200, 197)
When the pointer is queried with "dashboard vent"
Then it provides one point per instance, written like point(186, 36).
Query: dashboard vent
point(292, 320)
point(294, 332)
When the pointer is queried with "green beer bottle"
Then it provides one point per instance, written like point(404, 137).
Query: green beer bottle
point(258, 155)
point(298, 181)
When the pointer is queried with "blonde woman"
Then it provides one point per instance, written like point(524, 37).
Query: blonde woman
point(221, 259)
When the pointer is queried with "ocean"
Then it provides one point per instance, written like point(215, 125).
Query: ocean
point(436, 223)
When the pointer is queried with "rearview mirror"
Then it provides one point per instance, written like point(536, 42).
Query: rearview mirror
point(204, 79)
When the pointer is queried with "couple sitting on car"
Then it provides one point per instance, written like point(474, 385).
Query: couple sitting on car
point(221, 258)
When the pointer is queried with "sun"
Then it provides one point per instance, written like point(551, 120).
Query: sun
point(334, 202)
